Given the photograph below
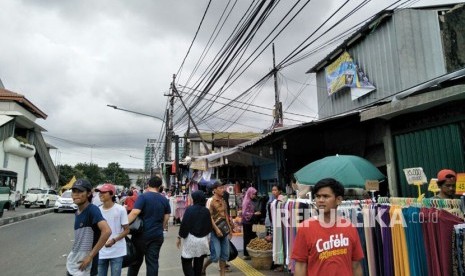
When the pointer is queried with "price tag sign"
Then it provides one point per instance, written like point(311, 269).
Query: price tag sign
point(460, 184)
point(433, 185)
point(415, 176)
point(372, 185)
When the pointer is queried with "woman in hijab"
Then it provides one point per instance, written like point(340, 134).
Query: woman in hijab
point(249, 216)
point(195, 228)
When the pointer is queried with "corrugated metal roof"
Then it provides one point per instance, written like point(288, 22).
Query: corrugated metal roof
point(401, 53)
point(356, 36)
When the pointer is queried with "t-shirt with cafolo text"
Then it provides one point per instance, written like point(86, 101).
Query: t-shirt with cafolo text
point(327, 249)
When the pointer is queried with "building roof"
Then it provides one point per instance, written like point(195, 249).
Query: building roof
point(7, 95)
point(359, 34)
point(208, 136)
point(364, 31)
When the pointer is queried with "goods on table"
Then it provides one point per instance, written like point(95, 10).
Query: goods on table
point(260, 244)
point(260, 252)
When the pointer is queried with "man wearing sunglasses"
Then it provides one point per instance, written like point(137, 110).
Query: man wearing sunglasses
point(446, 183)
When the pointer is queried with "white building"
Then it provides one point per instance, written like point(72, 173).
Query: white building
point(23, 150)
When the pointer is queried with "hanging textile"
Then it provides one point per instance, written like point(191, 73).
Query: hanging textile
point(399, 243)
point(415, 243)
point(399, 236)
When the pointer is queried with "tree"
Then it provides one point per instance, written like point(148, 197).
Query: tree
point(66, 173)
point(91, 172)
point(115, 174)
point(140, 181)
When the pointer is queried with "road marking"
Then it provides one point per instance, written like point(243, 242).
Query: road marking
point(246, 268)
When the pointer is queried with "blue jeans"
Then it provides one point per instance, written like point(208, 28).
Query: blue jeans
point(151, 250)
point(219, 248)
point(115, 266)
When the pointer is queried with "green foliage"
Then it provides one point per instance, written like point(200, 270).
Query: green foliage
point(140, 181)
point(113, 173)
point(66, 172)
point(91, 172)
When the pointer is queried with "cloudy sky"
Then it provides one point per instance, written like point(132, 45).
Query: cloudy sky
point(72, 58)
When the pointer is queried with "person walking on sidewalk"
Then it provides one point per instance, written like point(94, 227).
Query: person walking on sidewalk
point(219, 245)
point(91, 232)
point(195, 226)
point(117, 218)
point(249, 217)
point(154, 209)
point(327, 244)
point(130, 200)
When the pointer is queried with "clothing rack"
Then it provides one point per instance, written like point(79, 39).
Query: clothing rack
point(440, 203)
point(416, 236)
point(345, 203)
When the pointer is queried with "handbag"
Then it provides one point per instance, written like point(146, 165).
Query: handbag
point(222, 224)
point(232, 251)
point(137, 226)
point(131, 252)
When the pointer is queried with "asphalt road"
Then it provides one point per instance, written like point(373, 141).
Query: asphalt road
point(39, 246)
point(36, 246)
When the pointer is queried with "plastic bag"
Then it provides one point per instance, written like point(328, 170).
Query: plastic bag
point(131, 253)
point(232, 251)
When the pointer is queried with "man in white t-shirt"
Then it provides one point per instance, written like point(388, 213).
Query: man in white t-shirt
point(116, 216)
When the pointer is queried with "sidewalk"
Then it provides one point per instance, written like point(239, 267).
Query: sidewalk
point(170, 262)
point(22, 213)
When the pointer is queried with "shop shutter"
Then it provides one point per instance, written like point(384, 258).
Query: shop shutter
point(432, 149)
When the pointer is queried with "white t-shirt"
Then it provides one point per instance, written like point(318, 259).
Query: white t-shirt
point(116, 217)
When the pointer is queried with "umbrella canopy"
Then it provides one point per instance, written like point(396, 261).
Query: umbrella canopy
point(352, 171)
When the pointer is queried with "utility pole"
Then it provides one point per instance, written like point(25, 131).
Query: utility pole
point(186, 138)
point(176, 158)
point(169, 131)
point(278, 106)
point(190, 117)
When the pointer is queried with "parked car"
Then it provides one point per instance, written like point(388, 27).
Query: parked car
point(40, 197)
point(65, 203)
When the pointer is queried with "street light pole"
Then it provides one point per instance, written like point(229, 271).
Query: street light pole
point(135, 112)
point(143, 114)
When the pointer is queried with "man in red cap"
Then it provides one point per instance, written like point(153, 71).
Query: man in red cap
point(446, 183)
point(116, 216)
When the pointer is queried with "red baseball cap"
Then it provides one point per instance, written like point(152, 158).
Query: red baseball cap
point(443, 174)
point(107, 187)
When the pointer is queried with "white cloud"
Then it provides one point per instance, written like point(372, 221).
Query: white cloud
point(72, 58)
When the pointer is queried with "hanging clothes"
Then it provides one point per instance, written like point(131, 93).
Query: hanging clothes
point(399, 244)
point(415, 243)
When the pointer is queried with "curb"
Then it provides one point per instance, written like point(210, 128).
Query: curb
point(5, 221)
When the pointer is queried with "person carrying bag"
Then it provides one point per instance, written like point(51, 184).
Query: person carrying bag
point(196, 225)
point(219, 243)
point(249, 218)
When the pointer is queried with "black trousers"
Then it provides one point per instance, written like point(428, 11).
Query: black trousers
point(190, 270)
point(248, 235)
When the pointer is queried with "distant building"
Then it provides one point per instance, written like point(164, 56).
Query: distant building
point(135, 174)
point(149, 159)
